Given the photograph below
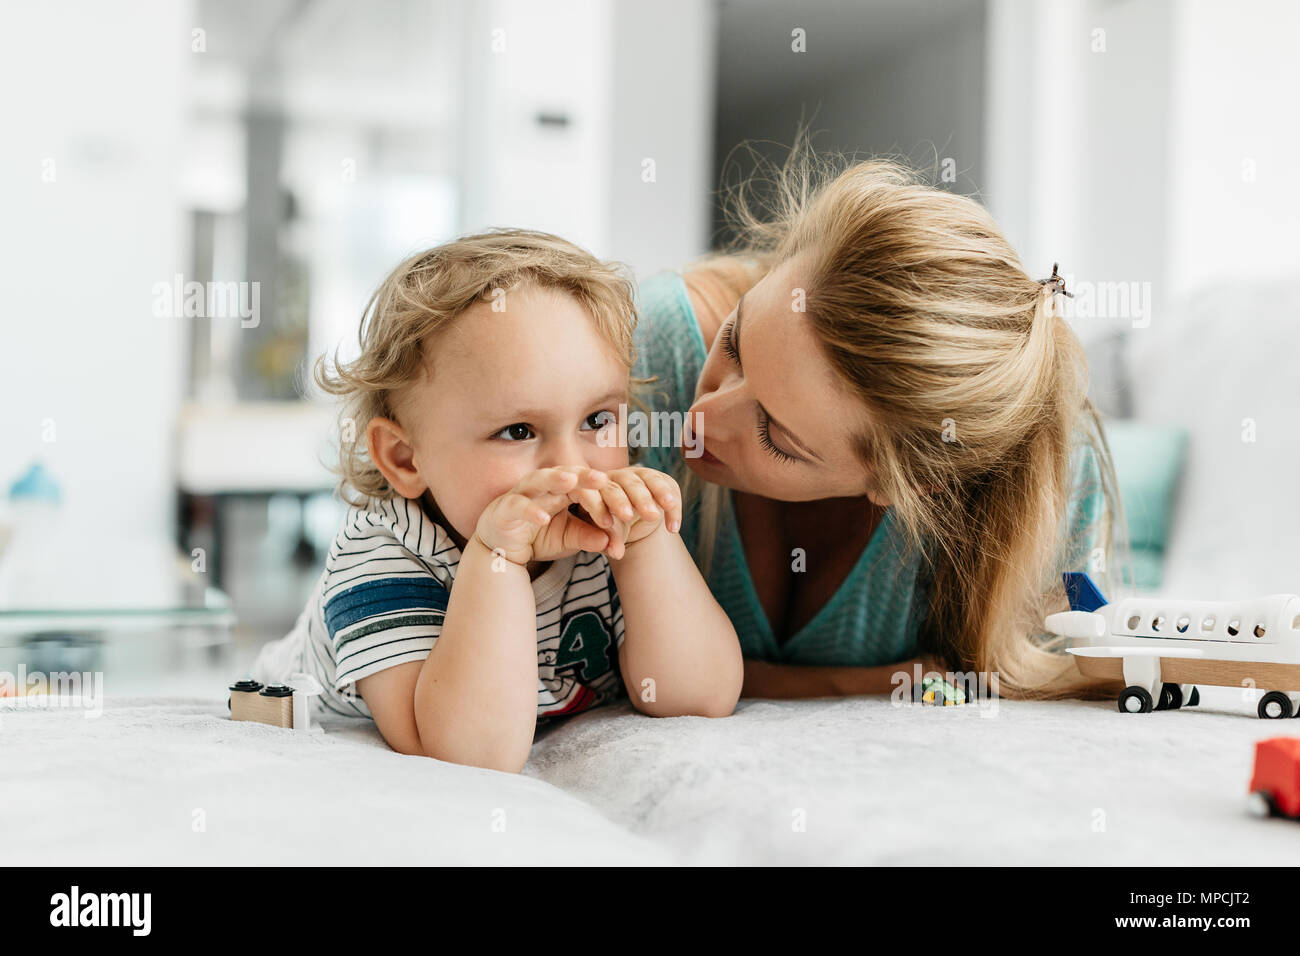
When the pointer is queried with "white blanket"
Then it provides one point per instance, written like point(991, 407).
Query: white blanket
point(157, 781)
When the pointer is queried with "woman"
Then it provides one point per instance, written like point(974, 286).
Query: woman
point(899, 457)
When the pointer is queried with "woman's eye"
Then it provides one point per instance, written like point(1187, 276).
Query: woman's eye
point(728, 345)
point(765, 439)
point(599, 420)
point(516, 432)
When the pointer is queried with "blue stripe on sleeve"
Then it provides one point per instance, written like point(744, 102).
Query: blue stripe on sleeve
point(383, 596)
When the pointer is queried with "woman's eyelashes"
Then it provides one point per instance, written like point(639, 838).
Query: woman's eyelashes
point(765, 439)
point(522, 431)
point(728, 344)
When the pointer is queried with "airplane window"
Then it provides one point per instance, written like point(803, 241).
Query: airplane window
point(1133, 622)
point(1183, 624)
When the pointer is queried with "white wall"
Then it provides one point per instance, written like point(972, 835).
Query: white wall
point(1236, 77)
point(524, 58)
point(101, 92)
point(1077, 152)
point(1133, 163)
point(634, 81)
point(662, 109)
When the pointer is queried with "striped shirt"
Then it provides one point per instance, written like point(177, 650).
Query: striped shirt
point(382, 597)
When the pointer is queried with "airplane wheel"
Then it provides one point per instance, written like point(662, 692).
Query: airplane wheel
point(1193, 698)
point(1274, 705)
point(1171, 697)
point(1136, 700)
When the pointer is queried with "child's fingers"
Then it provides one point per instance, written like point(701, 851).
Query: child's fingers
point(591, 477)
point(640, 497)
point(548, 481)
point(667, 495)
point(516, 506)
point(591, 500)
point(580, 536)
point(616, 500)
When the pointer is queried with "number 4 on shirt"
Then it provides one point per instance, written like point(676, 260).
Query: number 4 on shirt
point(585, 643)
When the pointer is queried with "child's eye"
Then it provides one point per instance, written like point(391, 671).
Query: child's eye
point(516, 432)
point(599, 420)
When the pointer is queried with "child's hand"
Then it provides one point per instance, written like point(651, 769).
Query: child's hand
point(630, 505)
point(531, 521)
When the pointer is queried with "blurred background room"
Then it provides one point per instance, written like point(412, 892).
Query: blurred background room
point(165, 495)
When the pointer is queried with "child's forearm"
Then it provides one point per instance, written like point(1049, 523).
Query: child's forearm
point(676, 635)
point(476, 697)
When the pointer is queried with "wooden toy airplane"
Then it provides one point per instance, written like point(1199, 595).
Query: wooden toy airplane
point(1162, 648)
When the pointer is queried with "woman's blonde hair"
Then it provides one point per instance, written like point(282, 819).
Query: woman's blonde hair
point(975, 385)
point(424, 295)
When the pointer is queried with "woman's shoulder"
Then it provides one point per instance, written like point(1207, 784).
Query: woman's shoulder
point(696, 301)
point(666, 312)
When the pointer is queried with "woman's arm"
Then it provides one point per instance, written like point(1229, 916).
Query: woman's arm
point(793, 681)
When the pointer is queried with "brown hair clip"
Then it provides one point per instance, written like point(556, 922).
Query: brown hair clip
point(1057, 282)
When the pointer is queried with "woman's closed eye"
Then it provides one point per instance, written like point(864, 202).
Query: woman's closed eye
point(728, 343)
point(765, 439)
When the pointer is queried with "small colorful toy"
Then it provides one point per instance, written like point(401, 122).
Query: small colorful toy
point(937, 690)
point(1275, 785)
point(1161, 648)
point(280, 705)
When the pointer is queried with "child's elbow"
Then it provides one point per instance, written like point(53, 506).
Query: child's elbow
point(707, 705)
point(502, 759)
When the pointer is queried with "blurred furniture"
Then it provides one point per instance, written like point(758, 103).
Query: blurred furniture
point(248, 450)
point(57, 607)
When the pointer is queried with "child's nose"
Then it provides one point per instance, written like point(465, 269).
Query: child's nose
point(562, 452)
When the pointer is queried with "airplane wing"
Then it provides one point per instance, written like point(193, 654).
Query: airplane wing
point(1191, 652)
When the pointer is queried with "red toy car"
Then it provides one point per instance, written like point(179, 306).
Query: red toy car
point(1275, 786)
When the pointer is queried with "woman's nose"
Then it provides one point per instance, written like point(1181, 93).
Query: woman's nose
point(713, 409)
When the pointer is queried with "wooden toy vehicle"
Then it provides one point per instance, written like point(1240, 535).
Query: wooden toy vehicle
point(1275, 785)
point(280, 705)
point(1161, 648)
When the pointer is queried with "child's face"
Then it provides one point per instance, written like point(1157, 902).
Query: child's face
point(529, 387)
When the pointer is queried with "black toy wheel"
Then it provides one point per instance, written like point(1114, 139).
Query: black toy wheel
point(1274, 705)
point(1171, 697)
point(1261, 804)
point(1135, 700)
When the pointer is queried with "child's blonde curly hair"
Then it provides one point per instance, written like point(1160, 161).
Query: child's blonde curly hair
point(430, 290)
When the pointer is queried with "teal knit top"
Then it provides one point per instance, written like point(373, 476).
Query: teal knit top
point(874, 616)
